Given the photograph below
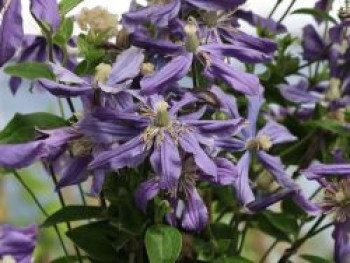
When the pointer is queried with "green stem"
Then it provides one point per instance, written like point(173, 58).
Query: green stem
point(278, 2)
point(287, 11)
point(63, 204)
point(267, 253)
point(297, 244)
point(41, 208)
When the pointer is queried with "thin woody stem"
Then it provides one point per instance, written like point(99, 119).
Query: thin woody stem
point(41, 208)
point(63, 204)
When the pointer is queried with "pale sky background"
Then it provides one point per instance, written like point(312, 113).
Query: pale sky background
point(40, 101)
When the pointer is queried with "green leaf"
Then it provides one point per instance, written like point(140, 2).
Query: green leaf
point(66, 259)
point(316, 13)
point(30, 70)
point(284, 222)
point(65, 32)
point(22, 127)
point(73, 213)
point(163, 244)
point(234, 259)
point(314, 259)
point(96, 239)
point(333, 126)
point(67, 5)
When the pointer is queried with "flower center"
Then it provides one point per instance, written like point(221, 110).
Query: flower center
point(102, 73)
point(262, 142)
point(161, 124)
point(337, 200)
point(162, 115)
point(192, 41)
point(334, 91)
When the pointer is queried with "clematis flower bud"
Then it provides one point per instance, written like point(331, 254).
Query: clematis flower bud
point(97, 20)
point(102, 73)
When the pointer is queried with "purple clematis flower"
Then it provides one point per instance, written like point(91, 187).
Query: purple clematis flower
point(313, 44)
point(209, 55)
point(188, 208)
point(157, 130)
point(124, 70)
point(255, 143)
point(11, 31)
point(264, 23)
point(34, 48)
point(17, 244)
point(336, 200)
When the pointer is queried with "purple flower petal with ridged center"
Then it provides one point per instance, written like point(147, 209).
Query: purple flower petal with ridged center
point(227, 173)
point(215, 5)
point(172, 72)
point(298, 93)
point(241, 39)
point(129, 154)
point(217, 127)
point(46, 10)
point(243, 190)
point(277, 133)
point(11, 31)
point(166, 163)
point(159, 15)
point(260, 205)
point(127, 66)
point(318, 170)
point(106, 131)
point(146, 192)
point(97, 182)
point(243, 54)
point(161, 47)
point(190, 144)
point(243, 82)
point(265, 23)
point(75, 172)
point(195, 214)
point(17, 156)
point(228, 103)
point(63, 90)
point(18, 243)
point(313, 44)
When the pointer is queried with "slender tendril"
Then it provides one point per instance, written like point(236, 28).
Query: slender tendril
point(41, 208)
point(63, 204)
point(287, 11)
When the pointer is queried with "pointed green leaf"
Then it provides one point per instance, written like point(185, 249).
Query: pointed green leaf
point(22, 127)
point(30, 70)
point(163, 244)
point(73, 213)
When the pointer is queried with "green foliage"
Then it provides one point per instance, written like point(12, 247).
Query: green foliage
point(163, 244)
point(234, 259)
point(64, 33)
point(66, 6)
point(316, 13)
point(74, 213)
point(99, 240)
point(281, 226)
point(314, 259)
point(22, 128)
point(30, 70)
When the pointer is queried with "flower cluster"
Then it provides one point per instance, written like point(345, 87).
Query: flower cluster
point(167, 106)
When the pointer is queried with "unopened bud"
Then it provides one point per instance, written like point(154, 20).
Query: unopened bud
point(334, 91)
point(123, 39)
point(147, 69)
point(192, 42)
point(98, 20)
point(162, 115)
point(102, 73)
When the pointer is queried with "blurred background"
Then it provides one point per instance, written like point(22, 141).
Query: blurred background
point(17, 207)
